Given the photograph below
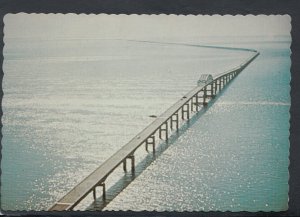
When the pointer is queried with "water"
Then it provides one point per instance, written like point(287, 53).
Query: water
point(235, 157)
point(68, 105)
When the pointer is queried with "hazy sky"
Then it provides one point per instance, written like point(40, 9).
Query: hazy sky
point(142, 26)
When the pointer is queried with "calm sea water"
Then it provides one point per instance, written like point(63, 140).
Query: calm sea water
point(68, 105)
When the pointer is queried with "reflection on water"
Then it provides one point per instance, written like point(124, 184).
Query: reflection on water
point(63, 117)
point(145, 161)
point(235, 157)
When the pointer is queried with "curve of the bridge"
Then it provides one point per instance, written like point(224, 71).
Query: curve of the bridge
point(195, 45)
point(160, 127)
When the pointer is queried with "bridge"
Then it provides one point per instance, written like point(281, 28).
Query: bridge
point(167, 122)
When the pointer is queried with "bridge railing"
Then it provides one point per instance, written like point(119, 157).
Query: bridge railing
point(160, 127)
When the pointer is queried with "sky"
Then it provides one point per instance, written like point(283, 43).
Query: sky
point(51, 26)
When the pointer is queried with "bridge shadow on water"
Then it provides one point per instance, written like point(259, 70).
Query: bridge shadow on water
point(100, 203)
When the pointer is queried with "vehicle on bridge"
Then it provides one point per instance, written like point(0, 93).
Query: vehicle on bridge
point(205, 79)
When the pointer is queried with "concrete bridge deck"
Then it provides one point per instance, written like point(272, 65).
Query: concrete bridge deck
point(164, 123)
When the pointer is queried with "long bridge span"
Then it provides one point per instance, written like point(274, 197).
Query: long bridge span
point(161, 126)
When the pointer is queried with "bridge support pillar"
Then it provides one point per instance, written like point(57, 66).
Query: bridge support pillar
point(165, 130)
point(197, 102)
point(185, 111)
point(94, 193)
point(131, 157)
point(177, 120)
point(151, 142)
point(204, 96)
point(192, 104)
point(216, 86)
point(167, 136)
point(212, 94)
point(222, 79)
point(172, 121)
point(125, 165)
point(132, 163)
point(188, 111)
point(103, 191)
